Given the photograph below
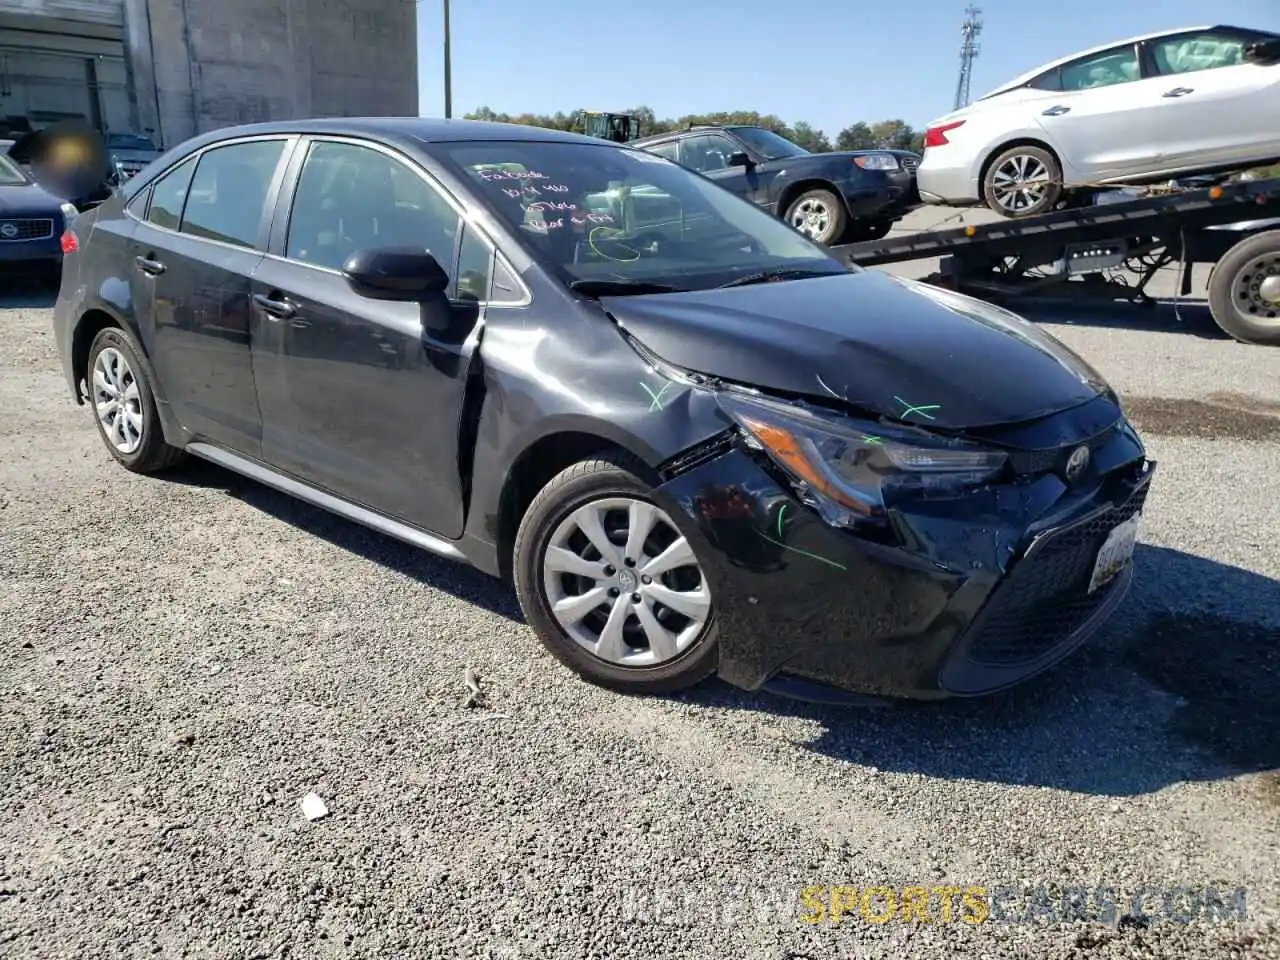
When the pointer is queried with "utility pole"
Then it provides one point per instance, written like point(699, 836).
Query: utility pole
point(969, 48)
point(448, 67)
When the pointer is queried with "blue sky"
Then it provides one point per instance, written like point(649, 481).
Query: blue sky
point(829, 62)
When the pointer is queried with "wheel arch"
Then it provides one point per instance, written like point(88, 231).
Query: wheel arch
point(543, 458)
point(995, 151)
point(87, 327)
point(793, 190)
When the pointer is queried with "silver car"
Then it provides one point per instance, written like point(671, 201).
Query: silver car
point(1144, 109)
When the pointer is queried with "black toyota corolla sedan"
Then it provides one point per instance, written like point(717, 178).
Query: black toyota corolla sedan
point(694, 441)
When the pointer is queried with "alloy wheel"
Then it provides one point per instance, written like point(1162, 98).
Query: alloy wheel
point(117, 400)
point(811, 217)
point(1020, 183)
point(624, 584)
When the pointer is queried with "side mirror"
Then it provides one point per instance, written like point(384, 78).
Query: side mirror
point(740, 159)
point(407, 274)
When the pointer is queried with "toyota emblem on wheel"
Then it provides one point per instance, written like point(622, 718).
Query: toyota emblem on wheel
point(1077, 463)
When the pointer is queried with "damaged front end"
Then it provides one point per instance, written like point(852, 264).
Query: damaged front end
point(854, 553)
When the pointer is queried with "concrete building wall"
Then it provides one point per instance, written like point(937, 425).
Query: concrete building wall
point(202, 64)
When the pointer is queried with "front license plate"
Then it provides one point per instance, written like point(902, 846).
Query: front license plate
point(1115, 552)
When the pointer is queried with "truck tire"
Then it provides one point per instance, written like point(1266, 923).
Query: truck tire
point(1244, 290)
point(1022, 163)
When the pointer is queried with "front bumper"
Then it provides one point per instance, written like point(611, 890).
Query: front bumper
point(876, 195)
point(967, 598)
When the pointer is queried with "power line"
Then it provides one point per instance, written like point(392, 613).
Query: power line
point(969, 49)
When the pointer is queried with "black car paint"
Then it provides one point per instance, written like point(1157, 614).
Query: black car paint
point(431, 439)
point(774, 184)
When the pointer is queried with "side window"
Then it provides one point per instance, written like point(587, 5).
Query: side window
point(505, 287)
point(138, 205)
point(229, 190)
point(669, 150)
point(706, 153)
point(475, 267)
point(1049, 80)
point(352, 198)
point(1202, 51)
point(169, 194)
point(1101, 70)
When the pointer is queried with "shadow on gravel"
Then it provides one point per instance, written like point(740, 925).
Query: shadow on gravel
point(1164, 316)
point(19, 291)
point(456, 578)
point(1160, 697)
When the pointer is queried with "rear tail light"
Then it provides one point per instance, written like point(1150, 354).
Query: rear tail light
point(69, 243)
point(937, 136)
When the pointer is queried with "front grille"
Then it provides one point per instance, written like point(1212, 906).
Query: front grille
point(15, 230)
point(909, 164)
point(1035, 462)
point(1044, 599)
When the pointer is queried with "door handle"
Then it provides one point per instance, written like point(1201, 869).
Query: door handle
point(277, 309)
point(148, 266)
point(1178, 92)
point(1056, 111)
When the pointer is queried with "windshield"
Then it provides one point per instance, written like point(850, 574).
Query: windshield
point(10, 175)
point(767, 143)
point(129, 141)
point(592, 213)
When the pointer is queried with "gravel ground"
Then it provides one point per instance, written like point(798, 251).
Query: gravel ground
point(181, 660)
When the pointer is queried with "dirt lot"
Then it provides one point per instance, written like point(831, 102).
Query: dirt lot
point(181, 660)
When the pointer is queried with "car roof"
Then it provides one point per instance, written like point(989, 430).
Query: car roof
point(1032, 74)
point(424, 129)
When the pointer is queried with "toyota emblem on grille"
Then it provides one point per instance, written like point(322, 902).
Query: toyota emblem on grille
point(8, 230)
point(1077, 463)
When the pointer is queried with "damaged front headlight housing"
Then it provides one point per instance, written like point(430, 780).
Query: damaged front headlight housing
point(856, 469)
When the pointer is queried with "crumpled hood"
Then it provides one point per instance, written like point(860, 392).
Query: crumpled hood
point(894, 347)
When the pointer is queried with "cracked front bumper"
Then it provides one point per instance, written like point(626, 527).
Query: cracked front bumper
point(957, 598)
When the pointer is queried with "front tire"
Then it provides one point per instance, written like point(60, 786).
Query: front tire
point(610, 584)
point(1244, 290)
point(124, 405)
point(819, 214)
point(1023, 181)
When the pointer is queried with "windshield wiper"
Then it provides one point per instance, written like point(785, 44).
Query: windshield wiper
point(620, 288)
point(768, 276)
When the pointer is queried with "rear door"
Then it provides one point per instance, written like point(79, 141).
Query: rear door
point(355, 398)
point(192, 256)
point(1102, 121)
point(1217, 107)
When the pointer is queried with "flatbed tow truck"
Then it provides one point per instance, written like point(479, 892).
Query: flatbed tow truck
point(1114, 247)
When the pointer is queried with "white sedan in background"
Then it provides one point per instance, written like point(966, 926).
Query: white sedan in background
point(1195, 100)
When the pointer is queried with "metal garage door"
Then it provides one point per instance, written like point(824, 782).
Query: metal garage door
point(54, 70)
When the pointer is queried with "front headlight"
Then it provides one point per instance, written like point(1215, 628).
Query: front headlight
point(854, 469)
point(877, 161)
point(69, 214)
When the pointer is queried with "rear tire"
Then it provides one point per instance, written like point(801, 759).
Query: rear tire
point(124, 406)
point(620, 642)
point(820, 215)
point(1244, 290)
point(1018, 165)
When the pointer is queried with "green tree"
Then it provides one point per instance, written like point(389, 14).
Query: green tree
point(856, 136)
point(813, 140)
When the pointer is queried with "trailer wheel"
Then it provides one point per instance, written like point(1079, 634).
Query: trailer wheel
point(1244, 290)
point(1023, 181)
